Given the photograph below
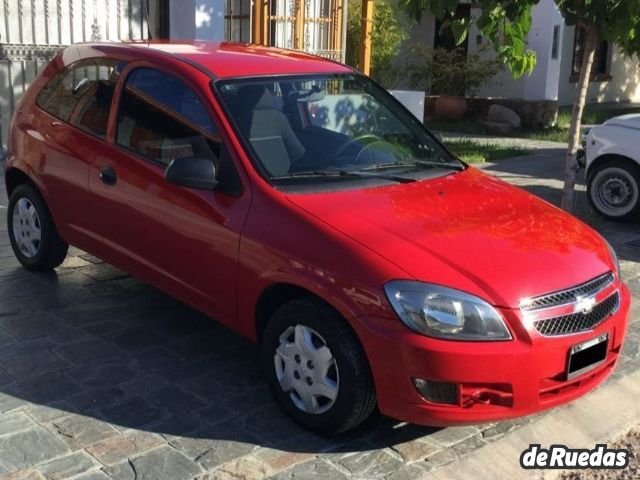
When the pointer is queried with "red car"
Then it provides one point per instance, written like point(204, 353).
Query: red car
point(297, 202)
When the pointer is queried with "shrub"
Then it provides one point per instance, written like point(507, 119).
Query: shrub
point(387, 35)
point(448, 72)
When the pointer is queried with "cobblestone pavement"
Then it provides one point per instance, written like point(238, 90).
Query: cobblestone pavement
point(104, 377)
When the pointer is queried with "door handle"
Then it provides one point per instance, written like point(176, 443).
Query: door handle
point(108, 176)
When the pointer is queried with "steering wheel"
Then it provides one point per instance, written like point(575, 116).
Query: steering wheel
point(368, 139)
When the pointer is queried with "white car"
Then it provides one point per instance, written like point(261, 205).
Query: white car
point(612, 160)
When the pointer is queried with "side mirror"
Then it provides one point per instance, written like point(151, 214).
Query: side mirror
point(192, 172)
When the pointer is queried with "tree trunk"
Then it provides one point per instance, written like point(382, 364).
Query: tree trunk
point(571, 164)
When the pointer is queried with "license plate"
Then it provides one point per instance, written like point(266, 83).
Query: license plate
point(587, 356)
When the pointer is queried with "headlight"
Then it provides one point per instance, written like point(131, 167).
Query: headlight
point(445, 313)
point(614, 257)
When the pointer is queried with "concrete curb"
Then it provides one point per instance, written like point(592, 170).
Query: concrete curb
point(598, 417)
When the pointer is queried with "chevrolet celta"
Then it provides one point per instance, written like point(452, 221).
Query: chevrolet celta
point(294, 200)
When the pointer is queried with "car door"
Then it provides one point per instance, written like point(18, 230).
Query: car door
point(76, 102)
point(183, 240)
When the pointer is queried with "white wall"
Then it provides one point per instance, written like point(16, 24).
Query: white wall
point(542, 84)
point(197, 19)
point(624, 85)
point(503, 85)
point(419, 33)
point(210, 20)
point(551, 77)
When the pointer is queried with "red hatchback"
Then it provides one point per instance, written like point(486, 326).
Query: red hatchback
point(298, 203)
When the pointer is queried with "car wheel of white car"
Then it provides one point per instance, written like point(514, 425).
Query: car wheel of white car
point(613, 189)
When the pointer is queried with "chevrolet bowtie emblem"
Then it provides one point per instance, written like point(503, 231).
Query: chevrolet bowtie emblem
point(584, 304)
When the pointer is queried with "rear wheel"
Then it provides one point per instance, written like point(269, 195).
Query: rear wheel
point(33, 235)
point(613, 189)
point(316, 368)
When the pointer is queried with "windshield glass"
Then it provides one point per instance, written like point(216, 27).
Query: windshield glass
point(324, 127)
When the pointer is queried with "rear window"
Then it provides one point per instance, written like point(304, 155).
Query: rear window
point(81, 94)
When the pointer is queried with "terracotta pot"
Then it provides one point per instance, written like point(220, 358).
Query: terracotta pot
point(450, 108)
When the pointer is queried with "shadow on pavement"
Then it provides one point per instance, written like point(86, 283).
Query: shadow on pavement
point(91, 341)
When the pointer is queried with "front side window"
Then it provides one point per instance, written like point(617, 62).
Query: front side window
point(81, 94)
point(161, 118)
point(342, 127)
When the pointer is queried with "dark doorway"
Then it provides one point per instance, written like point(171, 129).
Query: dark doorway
point(158, 18)
point(445, 38)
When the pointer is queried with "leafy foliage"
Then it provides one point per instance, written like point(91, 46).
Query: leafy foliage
point(387, 35)
point(617, 21)
point(505, 23)
point(444, 72)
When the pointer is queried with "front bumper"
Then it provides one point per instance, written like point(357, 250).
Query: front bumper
point(495, 380)
point(581, 158)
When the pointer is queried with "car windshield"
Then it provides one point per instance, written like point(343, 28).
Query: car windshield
point(331, 127)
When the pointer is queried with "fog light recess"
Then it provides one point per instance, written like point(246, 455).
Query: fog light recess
point(437, 392)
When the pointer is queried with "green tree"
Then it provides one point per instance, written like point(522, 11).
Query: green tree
point(507, 23)
point(387, 35)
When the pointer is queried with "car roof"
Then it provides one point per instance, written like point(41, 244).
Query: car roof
point(226, 59)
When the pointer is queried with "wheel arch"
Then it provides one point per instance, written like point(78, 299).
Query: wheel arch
point(15, 177)
point(277, 294)
point(272, 298)
point(597, 162)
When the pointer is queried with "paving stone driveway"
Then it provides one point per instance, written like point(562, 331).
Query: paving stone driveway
point(104, 377)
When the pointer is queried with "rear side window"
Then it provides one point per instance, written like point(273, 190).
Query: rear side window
point(162, 118)
point(81, 94)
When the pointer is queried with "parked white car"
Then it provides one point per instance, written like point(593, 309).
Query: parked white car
point(612, 160)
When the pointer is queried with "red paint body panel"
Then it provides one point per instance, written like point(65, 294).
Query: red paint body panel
point(468, 231)
point(220, 253)
point(226, 59)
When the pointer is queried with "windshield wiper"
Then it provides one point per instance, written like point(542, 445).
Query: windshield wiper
point(341, 173)
point(458, 167)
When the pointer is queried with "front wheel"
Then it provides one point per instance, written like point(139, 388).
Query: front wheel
point(316, 367)
point(33, 235)
point(613, 189)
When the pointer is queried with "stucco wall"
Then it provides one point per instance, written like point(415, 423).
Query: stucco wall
point(624, 85)
point(419, 33)
point(542, 84)
point(503, 85)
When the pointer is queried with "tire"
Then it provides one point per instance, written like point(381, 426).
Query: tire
point(613, 189)
point(27, 218)
point(348, 370)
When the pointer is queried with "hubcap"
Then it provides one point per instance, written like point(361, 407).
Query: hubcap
point(307, 370)
point(616, 191)
point(26, 228)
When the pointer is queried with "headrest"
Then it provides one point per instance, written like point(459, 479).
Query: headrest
point(255, 97)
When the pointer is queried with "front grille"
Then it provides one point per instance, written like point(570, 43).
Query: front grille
point(568, 296)
point(578, 322)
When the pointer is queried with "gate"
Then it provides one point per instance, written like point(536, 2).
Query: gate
point(33, 31)
point(314, 26)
